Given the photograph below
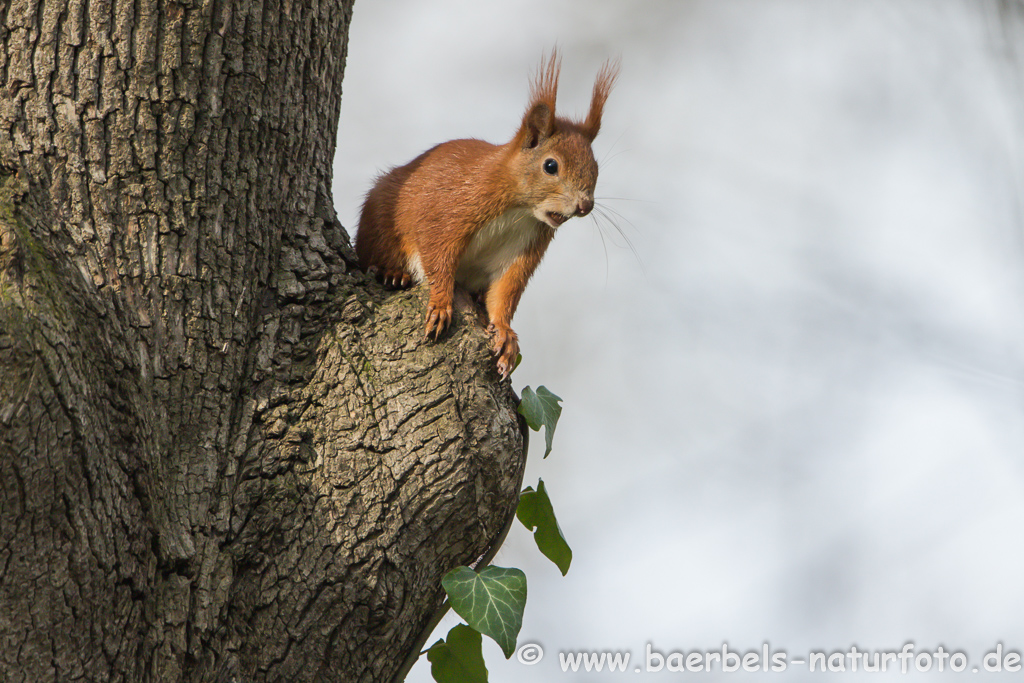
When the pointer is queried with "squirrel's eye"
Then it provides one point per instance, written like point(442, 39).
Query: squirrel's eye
point(551, 167)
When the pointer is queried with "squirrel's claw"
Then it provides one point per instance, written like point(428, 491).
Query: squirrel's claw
point(396, 279)
point(438, 319)
point(505, 345)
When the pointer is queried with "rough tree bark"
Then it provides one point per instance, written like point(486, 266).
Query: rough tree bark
point(224, 454)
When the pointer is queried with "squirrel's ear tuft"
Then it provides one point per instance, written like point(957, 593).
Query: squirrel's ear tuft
point(545, 84)
point(539, 121)
point(602, 87)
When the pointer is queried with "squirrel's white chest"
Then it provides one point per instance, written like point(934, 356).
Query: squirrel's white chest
point(495, 246)
point(491, 250)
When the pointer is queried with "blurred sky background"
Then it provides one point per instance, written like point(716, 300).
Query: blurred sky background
point(796, 415)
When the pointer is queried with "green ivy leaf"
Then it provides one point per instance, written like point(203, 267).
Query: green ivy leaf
point(491, 601)
point(541, 409)
point(535, 512)
point(459, 659)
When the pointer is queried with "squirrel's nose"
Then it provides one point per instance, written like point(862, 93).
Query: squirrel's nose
point(585, 207)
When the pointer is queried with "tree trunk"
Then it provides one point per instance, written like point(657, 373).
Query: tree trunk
point(224, 453)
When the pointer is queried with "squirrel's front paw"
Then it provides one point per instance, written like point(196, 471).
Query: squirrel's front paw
point(439, 314)
point(505, 345)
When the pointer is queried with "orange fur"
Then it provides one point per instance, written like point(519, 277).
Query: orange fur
point(482, 215)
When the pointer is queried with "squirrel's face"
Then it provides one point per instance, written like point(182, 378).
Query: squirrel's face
point(560, 176)
point(555, 164)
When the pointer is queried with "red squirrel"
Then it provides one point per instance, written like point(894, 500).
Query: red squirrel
point(482, 215)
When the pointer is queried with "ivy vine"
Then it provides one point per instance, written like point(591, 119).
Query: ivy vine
point(492, 599)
